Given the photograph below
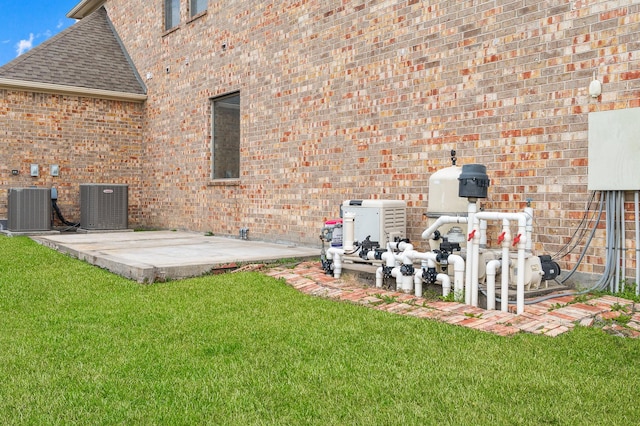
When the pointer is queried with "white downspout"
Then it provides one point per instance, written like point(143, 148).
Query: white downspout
point(492, 267)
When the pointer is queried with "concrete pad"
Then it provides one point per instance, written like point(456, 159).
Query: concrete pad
point(26, 233)
point(160, 255)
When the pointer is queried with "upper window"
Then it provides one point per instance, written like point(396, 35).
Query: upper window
point(171, 13)
point(198, 6)
point(225, 140)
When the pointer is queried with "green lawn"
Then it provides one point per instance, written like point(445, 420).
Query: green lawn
point(79, 345)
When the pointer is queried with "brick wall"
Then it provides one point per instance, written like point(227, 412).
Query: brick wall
point(364, 99)
point(92, 140)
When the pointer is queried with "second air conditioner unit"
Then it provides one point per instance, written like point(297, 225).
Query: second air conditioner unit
point(104, 206)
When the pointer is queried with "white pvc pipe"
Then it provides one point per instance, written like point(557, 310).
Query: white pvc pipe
point(444, 280)
point(471, 211)
point(442, 220)
point(417, 280)
point(400, 245)
point(349, 231)
point(446, 283)
point(335, 254)
point(471, 270)
point(637, 218)
point(520, 276)
point(529, 228)
point(472, 290)
point(458, 273)
point(389, 259)
point(483, 233)
point(522, 224)
point(408, 256)
point(504, 289)
point(395, 273)
point(417, 283)
point(492, 267)
point(379, 277)
point(371, 255)
point(406, 283)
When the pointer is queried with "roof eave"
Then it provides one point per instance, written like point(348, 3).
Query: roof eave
point(84, 8)
point(31, 86)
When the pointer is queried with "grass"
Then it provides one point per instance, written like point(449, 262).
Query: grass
point(79, 345)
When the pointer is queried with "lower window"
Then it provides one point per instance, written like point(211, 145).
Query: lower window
point(225, 137)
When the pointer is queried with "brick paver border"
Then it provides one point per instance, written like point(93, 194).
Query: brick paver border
point(550, 318)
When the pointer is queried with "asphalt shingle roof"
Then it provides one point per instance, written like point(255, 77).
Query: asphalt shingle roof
point(88, 54)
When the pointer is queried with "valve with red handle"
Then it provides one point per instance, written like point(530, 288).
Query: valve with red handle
point(516, 239)
point(471, 235)
point(501, 237)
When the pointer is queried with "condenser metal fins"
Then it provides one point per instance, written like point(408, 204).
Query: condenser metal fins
point(29, 209)
point(104, 206)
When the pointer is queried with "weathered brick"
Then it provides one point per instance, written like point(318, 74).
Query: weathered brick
point(92, 140)
point(344, 100)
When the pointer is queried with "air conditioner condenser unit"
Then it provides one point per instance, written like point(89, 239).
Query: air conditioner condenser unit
point(29, 209)
point(104, 206)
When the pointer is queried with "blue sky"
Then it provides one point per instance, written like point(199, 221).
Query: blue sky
point(26, 23)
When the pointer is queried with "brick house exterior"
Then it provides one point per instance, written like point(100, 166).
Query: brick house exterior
point(343, 99)
point(76, 102)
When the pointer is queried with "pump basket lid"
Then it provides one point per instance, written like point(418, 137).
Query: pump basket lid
point(474, 182)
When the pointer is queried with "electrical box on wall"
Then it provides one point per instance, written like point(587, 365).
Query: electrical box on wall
point(382, 220)
point(614, 150)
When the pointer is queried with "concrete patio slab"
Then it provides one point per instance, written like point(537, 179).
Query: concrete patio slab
point(159, 255)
